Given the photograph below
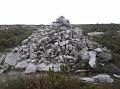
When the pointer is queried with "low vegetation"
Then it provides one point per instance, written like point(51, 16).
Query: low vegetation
point(52, 81)
point(11, 36)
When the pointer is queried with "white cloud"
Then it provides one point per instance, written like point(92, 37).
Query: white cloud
point(45, 11)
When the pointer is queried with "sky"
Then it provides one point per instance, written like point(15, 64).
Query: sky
point(46, 11)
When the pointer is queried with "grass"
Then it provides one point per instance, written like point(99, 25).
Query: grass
point(51, 81)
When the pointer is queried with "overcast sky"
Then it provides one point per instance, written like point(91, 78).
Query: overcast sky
point(46, 11)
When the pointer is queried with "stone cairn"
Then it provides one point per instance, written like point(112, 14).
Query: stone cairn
point(59, 44)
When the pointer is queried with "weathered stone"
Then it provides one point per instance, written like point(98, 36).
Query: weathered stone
point(25, 41)
point(33, 55)
point(67, 57)
point(103, 78)
point(31, 68)
point(11, 58)
point(21, 65)
point(105, 56)
point(2, 58)
point(61, 59)
point(42, 67)
point(15, 50)
point(43, 40)
point(24, 46)
point(1, 71)
point(64, 43)
point(23, 57)
point(92, 61)
point(85, 54)
point(99, 50)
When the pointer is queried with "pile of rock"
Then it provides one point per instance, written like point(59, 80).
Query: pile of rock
point(59, 44)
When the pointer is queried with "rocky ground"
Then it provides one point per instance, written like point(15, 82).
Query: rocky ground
point(59, 44)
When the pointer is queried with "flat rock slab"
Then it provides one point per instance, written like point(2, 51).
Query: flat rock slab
point(101, 78)
point(11, 58)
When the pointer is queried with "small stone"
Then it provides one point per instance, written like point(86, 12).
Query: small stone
point(25, 41)
point(64, 43)
point(33, 55)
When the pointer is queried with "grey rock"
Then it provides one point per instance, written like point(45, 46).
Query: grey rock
point(1, 71)
point(64, 43)
point(98, 50)
point(31, 68)
point(105, 56)
point(11, 58)
point(21, 65)
point(43, 40)
point(92, 60)
point(85, 54)
point(90, 44)
point(67, 57)
point(2, 58)
point(24, 46)
point(25, 41)
point(25, 50)
point(15, 50)
point(103, 78)
point(23, 57)
point(61, 59)
point(33, 55)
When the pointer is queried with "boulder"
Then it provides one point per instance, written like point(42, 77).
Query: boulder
point(42, 67)
point(31, 68)
point(85, 54)
point(105, 56)
point(89, 44)
point(92, 60)
point(11, 58)
point(103, 78)
point(21, 65)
